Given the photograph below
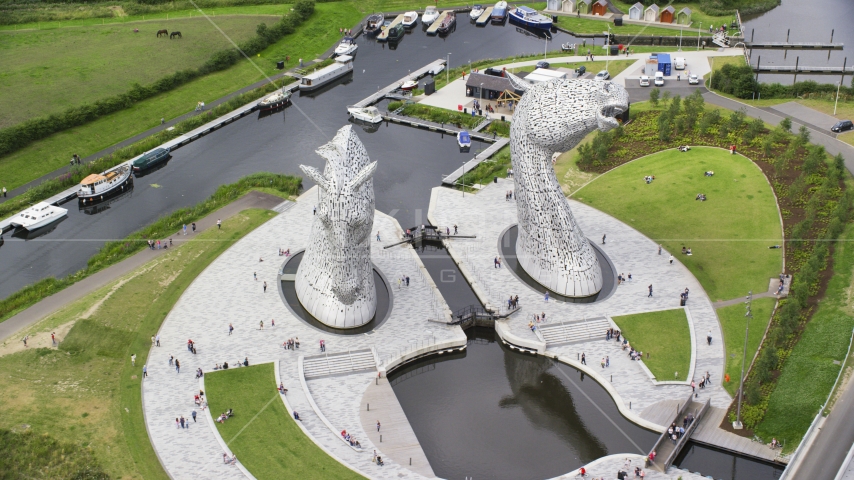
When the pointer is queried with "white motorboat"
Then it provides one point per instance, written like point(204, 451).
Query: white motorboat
point(476, 12)
point(97, 187)
point(346, 47)
point(342, 66)
point(366, 114)
point(409, 85)
point(37, 216)
point(499, 12)
point(464, 139)
point(430, 15)
point(410, 19)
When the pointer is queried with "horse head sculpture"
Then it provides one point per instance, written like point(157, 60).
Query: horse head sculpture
point(554, 117)
point(335, 279)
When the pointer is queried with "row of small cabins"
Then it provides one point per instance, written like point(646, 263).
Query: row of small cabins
point(637, 11)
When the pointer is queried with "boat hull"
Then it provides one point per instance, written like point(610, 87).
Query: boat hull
point(152, 164)
point(274, 105)
point(41, 224)
point(529, 24)
point(117, 189)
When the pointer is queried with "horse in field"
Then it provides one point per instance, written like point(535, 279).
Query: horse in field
point(175, 34)
point(162, 32)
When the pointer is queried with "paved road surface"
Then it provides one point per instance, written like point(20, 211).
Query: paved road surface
point(831, 445)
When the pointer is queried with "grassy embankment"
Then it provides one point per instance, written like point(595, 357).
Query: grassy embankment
point(697, 14)
point(115, 251)
point(733, 323)
point(811, 369)
point(85, 392)
point(42, 157)
point(262, 435)
point(740, 211)
point(664, 339)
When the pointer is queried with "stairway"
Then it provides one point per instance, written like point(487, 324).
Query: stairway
point(338, 363)
point(721, 39)
point(574, 332)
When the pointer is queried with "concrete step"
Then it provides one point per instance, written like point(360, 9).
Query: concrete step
point(338, 363)
point(576, 331)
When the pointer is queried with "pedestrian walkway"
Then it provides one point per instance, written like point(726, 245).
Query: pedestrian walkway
point(89, 284)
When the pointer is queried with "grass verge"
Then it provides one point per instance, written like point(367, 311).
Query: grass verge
point(85, 392)
point(665, 340)
point(810, 370)
point(733, 323)
point(487, 170)
point(116, 251)
point(262, 434)
point(741, 212)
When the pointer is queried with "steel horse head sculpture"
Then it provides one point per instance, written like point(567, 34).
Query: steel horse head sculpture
point(553, 117)
point(335, 281)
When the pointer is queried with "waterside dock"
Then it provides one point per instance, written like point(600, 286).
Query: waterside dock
point(436, 127)
point(435, 27)
point(794, 46)
point(381, 93)
point(484, 19)
point(383, 36)
point(458, 173)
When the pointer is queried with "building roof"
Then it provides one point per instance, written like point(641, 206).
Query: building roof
point(603, 2)
point(653, 7)
point(497, 84)
point(637, 5)
point(669, 8)
point(685, 10)
point(541, 75)
point(588, 2)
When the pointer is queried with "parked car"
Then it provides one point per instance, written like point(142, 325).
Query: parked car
point(542, 64)
point(659, 79)
point(842, 126)
point(603, 75)
point(693, 79)
point(644, 81)
point(581, 70)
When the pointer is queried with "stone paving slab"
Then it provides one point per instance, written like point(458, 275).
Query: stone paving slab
point(226, 293)
point(487, 214)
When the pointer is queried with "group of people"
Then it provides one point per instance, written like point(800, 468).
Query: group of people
point(508, 196)
point(229, 460)
point(225, 416)
point(686, 251)
point(683, 148)
point(648, 179)
point(282, 388)
point(541, 318)
point(675, 432)
point(284, 253)
point(191, 346)
point(513, 302)
point(156, 245)
point(704, 381)
point(701, 197)
point(292, 344)
point(224, 366)
point(377, 459)
point(612, 333)
point(345, 31)
point(709, 174)
point(199, 399)
point(349, 439)
point(75, 160)
point(199, 373)
point(623, 278)
point(200, 106)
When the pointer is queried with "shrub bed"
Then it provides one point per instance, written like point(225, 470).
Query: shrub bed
point(115, 251)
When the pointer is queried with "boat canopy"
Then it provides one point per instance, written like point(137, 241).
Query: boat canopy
point(92, 178)
point(464, 137)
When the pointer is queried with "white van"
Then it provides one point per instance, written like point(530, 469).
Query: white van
point(659, 79)
point(679, 63)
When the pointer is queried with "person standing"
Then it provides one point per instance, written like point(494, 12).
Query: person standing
point(603, 239)
point(4, 192)
point(659, 249)
point(378, 425)
point(709, 337)
point(230, 329)
point(671, 259)
point(53, 338)
point(177, 366)
point(583, 359)
point(607, 361)
point(218, 224)
point(547, 297)
point(185, 229)
point(650, 291)
point(261, 325)
point(378, 235)
point(265, 287)
point(144, 371)
point(194, 416)
point(26, 337)
point(157, 340)
point(194, 227)
point(133, 360)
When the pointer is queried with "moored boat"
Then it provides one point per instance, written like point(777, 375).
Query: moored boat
point(38, 216)
point(342, 66)
point(366, 114)
point(275, 100)
point(346, 47)
point(395, 32)
point(374, 24)
point(409, 85)
point(410, 19)
point(97, 187)
point(464, 140)
point(150, 159)
point(528, 17)
point(430, 15)
point(448, 23)
point(476, 12)
point(499, 12)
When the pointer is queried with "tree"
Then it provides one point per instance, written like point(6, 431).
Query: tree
point(665, 97)
point(736, 119)
point(653, 96)
point(786, 125)
point(665, 126)
point(803, 135)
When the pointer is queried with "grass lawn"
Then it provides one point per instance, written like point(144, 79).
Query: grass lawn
point(74, 66)
point(85, 392)
point(810, 371)
point(733, 322)
point(729, 234)
point(262, 434)
point(665, 336)
point(586, 25)
point(310, 40)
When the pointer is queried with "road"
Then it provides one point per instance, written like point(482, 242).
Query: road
point(831, 444)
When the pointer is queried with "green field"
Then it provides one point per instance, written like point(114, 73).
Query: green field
point(729, 234)
point(810, 371)
point(42, 157)
point(733, 323)
point(48, 71)
point(85, 392)
point(262, 434)
point(664, 339)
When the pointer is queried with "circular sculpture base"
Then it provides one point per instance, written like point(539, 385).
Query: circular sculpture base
point(287, 290)
point(507, 249)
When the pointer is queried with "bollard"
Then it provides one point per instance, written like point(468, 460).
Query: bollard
point(369, 407)
point(381, 439)
point(630, 407)
point(410, 461)
point(612, 378)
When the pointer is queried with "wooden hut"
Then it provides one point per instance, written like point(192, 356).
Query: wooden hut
point(553, 5)
point(684, 16)
point(636, 11)
point(667, 14)
point(600, 7)
point(651, 13)
point(569, 6)
point(583, 6)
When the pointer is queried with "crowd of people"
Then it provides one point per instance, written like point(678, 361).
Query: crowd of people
point(350, 439)
point(284, 253)
point(648, 179)
point(225, 416)
point(292, 344)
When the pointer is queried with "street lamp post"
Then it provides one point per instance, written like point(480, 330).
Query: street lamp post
point(464, 179)
point(838, 85)
point(748, 314)
point(448, 69)
point(698, 35)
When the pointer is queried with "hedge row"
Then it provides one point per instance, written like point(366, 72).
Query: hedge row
point(18, 136)
point(740, 81)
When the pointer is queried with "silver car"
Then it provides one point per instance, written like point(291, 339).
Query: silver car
point(603, 75)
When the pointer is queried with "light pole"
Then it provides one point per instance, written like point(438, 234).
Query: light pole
point(748, 314)
point(680, 39)
point(448, 69)
point(464, 179)
point(698, 35)
point(838, 85)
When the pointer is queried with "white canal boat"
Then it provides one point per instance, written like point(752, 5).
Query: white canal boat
point(37, 216)
point(342, 66)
